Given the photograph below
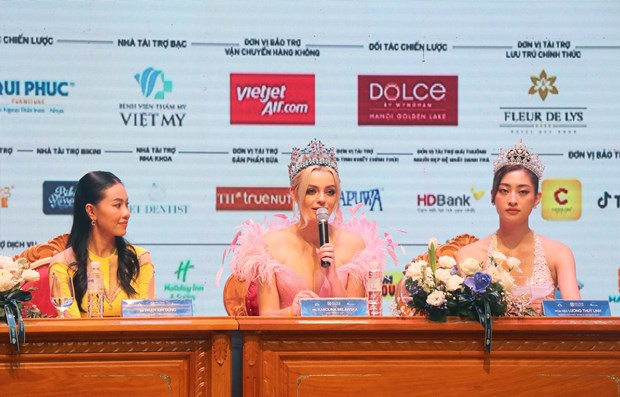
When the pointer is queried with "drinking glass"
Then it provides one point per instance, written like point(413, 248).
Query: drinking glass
point(61, 292)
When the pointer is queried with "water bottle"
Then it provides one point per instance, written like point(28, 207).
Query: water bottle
point(373, 290)
point(95, 291)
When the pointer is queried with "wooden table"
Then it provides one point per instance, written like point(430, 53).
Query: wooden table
point(114, 357)
point(387, 356)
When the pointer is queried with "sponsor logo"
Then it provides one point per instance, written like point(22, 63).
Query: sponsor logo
point(5, 193)
point(58, 197)
point(183, 289)
point(29, 96)
point(477, 193)
point(154, 86)
point(543, 85)
point(272, 99)
point(158, 206)
point(432, 202)
point(407, 100)
point(608, 199)
point(561, 199)
point(541, 119)
point(370, 198)
point(152, 82)
point(253, 199)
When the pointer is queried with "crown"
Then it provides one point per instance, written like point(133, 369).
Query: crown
point(519, 155)
point(314, 154)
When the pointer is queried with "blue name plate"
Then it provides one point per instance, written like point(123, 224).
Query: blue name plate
point(156, 308)
point(334, 307)
point(561, 307)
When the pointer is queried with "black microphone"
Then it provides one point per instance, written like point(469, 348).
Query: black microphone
point(322, 216)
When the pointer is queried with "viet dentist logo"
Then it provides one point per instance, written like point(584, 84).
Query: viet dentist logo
point(272, 99)
point(158, 204)
point(29, 96)
point(154, 86)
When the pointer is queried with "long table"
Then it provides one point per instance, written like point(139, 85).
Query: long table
point(116, 357)
point(388, 356)
point(329, 356)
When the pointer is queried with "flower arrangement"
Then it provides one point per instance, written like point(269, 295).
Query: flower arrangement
point(13, 274)
point(479, 291)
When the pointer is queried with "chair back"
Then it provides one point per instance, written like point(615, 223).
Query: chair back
point(449, 248)
point(40, 257)
point(240, 297)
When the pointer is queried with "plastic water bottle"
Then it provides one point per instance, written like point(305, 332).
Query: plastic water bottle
point(95, 291)
point(373, 290)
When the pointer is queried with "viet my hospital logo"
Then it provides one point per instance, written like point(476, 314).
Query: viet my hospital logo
point(153, 83)
point(272, 99)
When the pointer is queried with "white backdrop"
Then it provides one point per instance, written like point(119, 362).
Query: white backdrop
point(71, 102)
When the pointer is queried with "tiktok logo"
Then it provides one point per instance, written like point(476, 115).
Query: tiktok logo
point(603, 201)
point(182, 270)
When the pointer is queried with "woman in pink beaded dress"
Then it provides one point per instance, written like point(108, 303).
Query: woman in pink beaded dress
point(283, 258)
point(546, 264)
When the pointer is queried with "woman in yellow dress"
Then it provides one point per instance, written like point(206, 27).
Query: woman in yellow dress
point(100, 218)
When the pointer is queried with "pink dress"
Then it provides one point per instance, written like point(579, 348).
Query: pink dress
point(252, 260)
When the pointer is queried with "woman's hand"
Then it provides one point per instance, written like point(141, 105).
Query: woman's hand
point(326, 254)
point(296, 306)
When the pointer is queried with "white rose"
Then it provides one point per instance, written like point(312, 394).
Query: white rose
point(454, 283)
point(513, 263)
point(447, 262)
point(437, 298)
point(494, 273)
point(7, 281)
point(470, 266)
point(7, 263)
point(414, 270)
point(498, 258)
point(442, 275)
point(30, 275)
point(506, 281)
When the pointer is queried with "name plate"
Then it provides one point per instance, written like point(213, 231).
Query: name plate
point(157, 308)
point(561, 307)
point(334, 307)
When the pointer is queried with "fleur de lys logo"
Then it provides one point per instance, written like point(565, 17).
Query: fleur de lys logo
point(151, 80)
point(543, 85)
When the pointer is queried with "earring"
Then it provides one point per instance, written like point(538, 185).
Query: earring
point(92, 222)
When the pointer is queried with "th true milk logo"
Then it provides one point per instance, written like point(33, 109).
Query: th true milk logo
point(156, 87)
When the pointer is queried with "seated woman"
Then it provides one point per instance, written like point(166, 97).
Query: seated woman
point(547, 263)
point(100, 219)
point(284, 258)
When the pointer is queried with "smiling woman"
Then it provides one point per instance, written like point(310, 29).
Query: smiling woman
point(100, 219)
point(283, 260)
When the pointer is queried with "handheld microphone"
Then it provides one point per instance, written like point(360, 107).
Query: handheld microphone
point(322, 216)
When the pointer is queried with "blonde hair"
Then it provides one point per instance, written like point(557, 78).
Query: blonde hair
point(300, 183)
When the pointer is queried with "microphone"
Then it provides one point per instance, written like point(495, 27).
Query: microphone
point(322, 216)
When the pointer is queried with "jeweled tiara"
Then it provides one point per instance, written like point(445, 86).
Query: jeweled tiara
point(519, 155)
point(314, 154)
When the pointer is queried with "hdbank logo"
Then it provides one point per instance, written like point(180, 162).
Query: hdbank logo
point(407, 100)
point(561, 199)
point(272, 99)
point(253, 199)
point(153, 82)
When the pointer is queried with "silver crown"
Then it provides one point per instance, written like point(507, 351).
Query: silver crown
point(314, 154)
point(519, 155)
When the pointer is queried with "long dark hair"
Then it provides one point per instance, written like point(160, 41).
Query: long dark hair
point(499, 175)
point(90, 190)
